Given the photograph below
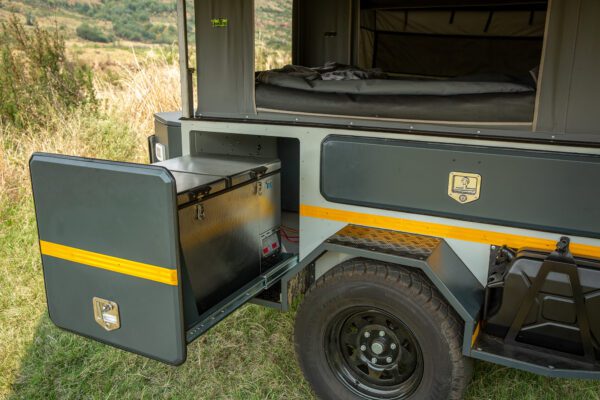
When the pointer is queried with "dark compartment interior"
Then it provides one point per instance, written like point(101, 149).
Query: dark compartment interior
point(471, 61)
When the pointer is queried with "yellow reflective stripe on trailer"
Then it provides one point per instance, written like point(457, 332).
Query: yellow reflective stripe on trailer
point(110, 263)
point(443, 231)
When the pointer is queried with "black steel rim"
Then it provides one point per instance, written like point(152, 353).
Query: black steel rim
point(373, 353)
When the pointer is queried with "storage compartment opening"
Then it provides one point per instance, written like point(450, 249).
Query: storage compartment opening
point(288, 151)
point(430, 60)
point(238, 215)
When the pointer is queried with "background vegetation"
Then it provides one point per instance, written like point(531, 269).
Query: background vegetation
point(36, 76)
point(57, 99)
point(136, 20)
point(103, 33)
point(93, 33)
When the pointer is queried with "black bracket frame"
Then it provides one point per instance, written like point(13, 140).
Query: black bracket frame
point(560, 261)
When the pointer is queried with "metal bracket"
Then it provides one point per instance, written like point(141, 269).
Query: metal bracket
point(560, 261)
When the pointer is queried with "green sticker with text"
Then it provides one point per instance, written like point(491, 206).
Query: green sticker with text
point(219, 22)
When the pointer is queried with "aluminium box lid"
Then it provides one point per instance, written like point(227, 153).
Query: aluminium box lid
point(236, 169)
point(190, 186)
point(186, 181)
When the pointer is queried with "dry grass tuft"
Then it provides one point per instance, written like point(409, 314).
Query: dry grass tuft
point(144, 88)
point(267, 59)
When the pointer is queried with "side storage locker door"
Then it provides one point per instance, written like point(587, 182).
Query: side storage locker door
point(110, 252)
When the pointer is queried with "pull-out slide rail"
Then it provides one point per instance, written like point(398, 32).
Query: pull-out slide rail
point(242, 296)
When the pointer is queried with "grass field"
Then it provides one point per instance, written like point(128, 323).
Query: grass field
point(248, 356)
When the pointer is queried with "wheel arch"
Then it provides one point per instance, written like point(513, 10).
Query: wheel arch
point(433, 256)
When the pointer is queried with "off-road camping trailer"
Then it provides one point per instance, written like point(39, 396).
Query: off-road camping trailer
point(429, 168)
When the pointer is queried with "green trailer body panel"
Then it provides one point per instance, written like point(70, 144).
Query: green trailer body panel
point(110, 230)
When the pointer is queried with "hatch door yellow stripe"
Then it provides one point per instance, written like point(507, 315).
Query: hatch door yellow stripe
point(114, 264)
point(443, 231)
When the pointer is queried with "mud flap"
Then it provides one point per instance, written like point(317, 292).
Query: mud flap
point(110, 252)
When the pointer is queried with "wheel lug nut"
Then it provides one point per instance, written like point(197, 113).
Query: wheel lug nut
point(381, 333)
point(367, 334)
point(388, 360)
point(374, 360)
point(393, 346)
point(363, 347)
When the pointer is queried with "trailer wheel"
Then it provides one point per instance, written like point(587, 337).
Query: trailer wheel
point(370, 330)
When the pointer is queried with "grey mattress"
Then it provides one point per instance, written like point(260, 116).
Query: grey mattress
point(478, 107)
point(474, 84)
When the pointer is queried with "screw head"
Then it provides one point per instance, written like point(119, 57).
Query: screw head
point(393, 346)
point(363, 347)
point(381, 333)
point(367, 334)
point(374, 360)
point(388, 360)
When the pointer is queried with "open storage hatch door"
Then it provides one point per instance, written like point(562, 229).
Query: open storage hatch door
point(149, 257)
point(110, 252)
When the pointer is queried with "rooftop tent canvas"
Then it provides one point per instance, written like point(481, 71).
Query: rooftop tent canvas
point(225, 54)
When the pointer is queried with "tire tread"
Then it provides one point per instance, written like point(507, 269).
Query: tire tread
point(420, 288)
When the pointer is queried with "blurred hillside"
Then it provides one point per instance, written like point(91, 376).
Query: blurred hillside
point(145, 21)
point(104, 31)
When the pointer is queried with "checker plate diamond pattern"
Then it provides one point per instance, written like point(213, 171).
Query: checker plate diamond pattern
point(386, 241)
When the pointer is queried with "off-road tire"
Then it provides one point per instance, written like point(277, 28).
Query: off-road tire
point(402, 292)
